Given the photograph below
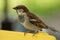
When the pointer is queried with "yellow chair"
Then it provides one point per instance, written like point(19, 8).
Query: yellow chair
point(10, 35)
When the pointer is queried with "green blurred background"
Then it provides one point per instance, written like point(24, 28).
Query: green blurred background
point(47, 10)
point(39, 7)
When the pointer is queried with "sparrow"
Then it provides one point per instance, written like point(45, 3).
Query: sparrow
point(29, 20)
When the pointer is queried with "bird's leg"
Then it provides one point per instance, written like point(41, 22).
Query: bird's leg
point(27, 32)
point(35, 32)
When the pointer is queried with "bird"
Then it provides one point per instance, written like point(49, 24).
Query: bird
point(29, 20)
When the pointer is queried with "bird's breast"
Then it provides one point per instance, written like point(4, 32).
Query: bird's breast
point(30, 26)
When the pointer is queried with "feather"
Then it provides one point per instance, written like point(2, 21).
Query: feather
point(36, 21)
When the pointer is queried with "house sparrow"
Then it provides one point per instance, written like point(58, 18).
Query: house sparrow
point(29, 20)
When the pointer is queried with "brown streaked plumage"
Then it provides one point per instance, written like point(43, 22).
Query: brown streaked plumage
point(38, 21)
point(33, 19)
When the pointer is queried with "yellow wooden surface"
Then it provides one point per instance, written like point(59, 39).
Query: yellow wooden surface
point(10, 35)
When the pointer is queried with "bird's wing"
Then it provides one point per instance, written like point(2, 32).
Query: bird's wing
point(36, 21)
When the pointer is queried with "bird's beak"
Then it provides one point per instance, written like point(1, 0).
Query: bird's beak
point(14, 8)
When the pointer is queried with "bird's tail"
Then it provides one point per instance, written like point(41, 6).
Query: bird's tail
point(54, 30)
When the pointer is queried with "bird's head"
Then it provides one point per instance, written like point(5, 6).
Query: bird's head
point(21, 9)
